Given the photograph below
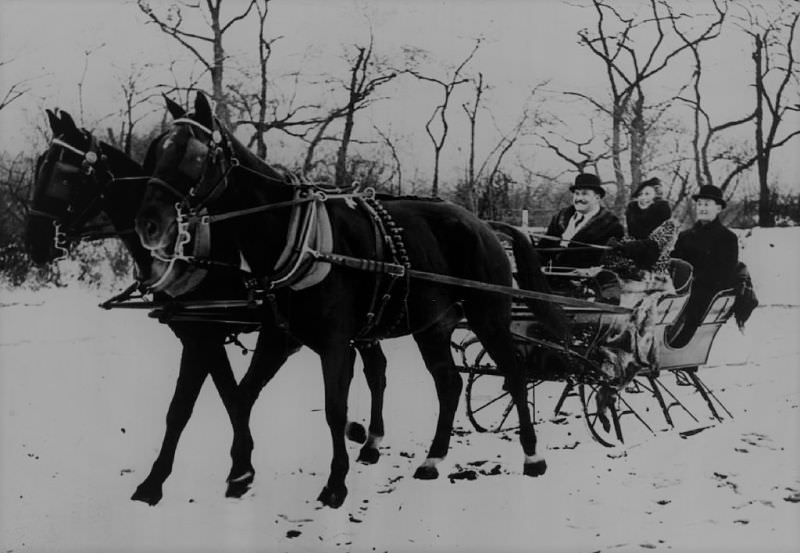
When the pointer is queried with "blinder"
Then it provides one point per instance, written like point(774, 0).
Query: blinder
point(58, 186)
point(198, 157)
point(194, 160)
point(67, 202)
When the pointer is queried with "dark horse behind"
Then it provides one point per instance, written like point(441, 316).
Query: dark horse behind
point(203, 173)
point(85, 188)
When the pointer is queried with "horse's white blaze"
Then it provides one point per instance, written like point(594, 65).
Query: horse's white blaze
point(532, 459)
point(432, 462)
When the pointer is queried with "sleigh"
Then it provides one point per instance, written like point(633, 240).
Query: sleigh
point(577, 368)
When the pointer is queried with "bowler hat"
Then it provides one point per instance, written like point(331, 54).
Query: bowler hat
point(588, 181)
point(710, 192)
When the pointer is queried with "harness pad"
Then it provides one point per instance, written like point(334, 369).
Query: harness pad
point(309, 231)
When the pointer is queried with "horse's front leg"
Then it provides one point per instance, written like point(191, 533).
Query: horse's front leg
point(375, 372)
point(337, 371)
point(193, 372)
point(272, 349)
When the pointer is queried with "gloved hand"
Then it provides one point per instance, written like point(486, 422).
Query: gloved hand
point(614, 244)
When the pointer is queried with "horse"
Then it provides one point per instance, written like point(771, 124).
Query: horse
point(203, 173)
point(78, 180)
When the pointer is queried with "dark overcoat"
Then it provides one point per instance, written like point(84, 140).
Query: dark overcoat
point(598, 230)
point(641, 222)
point(713, 252)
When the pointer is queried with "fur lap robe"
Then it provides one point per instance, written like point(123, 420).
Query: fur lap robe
point(642, 266)
point(629, 346)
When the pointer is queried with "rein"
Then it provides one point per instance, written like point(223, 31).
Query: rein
point(399, 270)
point(559, 239)
point(316, 194)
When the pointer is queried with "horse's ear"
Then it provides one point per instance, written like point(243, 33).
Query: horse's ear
point(67, 123)
point(174, 108)
point(55, 122)
point(202, 110)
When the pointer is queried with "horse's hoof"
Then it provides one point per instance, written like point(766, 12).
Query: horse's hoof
point(368, 455)
point(239, 486)
point(426, 472)
point(535, 468)
point(332, 498)
point(355, 432)
point(147, 494)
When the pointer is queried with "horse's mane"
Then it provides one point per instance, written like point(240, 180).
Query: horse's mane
point(248, 158)
point(389, 197)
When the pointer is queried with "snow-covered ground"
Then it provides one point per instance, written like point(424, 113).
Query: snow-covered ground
point(84, 392)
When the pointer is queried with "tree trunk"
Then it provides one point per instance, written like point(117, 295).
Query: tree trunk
point(218, 91)
point(638, 137)
point(765, 216)
point(616, 159)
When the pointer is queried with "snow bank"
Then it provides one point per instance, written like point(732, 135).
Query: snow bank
point(773, 257)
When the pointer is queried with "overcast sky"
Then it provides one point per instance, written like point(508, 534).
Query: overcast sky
point(526, 42)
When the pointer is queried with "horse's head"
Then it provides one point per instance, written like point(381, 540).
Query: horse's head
point(188, 168)
point(67, 190)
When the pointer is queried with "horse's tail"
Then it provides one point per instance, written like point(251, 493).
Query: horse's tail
point(531, 277)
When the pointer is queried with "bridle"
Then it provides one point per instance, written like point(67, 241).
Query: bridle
point(92, 164)
point(191, 209)
point(213, 154)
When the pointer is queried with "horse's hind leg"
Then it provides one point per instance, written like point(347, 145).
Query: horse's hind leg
point(434, 345)
point(197, 355)
point(375, 372)
point(494, 334)
point(273, 347)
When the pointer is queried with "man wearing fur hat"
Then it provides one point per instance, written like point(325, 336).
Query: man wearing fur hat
point(713, 252)
point(586, 221)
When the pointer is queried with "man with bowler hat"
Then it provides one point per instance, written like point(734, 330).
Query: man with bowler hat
point(586, 221)
point(713, 252)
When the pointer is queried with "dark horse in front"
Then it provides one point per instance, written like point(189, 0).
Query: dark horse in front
point(80, 182)
point(203, 173)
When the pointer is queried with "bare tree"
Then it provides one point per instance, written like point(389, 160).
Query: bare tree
point(255, 106)
point(135, 97)
point(172, 23)
point(479, 87)
point(15, 179)
point(773, 52)
point(581, 154)
point(15, 91)
point(87, 54)
point(628, 67)
point(365, 77)
point(439, 113)
point(398, 167)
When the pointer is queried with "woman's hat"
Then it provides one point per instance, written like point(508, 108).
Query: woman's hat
point(588, 181)
point(710, 192)
point(655, 183)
